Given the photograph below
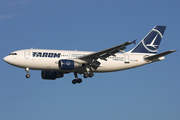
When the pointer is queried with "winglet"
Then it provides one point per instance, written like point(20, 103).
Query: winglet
point(134, 41)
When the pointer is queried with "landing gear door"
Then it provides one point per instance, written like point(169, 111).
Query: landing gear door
point(27, 54)
point(126, 59)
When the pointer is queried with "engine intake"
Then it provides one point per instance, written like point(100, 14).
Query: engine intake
point(68, 64)
point(51, 75)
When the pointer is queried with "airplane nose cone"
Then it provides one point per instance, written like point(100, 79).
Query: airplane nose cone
point(7, 59)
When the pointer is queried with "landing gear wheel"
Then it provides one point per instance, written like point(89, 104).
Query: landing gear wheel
point(28, 76)
point(74, 81)
point(79, 80)
point(85, 75)
point(91, 74)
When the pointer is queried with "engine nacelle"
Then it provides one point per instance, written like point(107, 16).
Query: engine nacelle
point(51, 75)
point(68, 64)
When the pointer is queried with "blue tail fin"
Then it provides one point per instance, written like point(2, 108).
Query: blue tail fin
point(150, 43)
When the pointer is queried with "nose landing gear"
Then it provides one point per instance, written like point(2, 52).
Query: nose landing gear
point(27, 71)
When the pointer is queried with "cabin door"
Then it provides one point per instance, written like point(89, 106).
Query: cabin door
point(126, 59)
point(27, 54)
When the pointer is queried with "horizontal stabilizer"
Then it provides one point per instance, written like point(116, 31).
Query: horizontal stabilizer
point(155, 57)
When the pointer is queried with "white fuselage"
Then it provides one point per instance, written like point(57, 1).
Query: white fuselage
point(55, 63)
point(44, 59)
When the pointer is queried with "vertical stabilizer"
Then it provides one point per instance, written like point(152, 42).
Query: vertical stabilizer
point(150, 43)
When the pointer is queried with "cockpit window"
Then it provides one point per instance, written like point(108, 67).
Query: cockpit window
point(13, 54)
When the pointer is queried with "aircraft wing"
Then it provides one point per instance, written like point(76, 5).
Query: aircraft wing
point(155, 57)
point(106, 53)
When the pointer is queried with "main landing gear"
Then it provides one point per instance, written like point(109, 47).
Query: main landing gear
point(27, 71)
point(90, 74)
point(79, 80)
point(76, 80)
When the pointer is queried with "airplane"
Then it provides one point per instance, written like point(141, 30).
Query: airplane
point(55, 63)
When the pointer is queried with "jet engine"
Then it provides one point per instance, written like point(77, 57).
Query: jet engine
point(51, 75)
point(68, 64)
